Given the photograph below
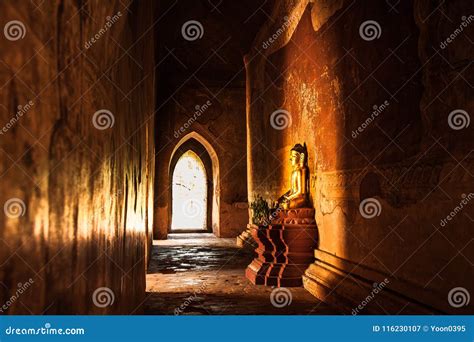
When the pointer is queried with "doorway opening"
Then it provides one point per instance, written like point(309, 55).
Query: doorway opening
point(189, 194)
point(193, 191)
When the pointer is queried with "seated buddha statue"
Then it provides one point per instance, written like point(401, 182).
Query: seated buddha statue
point(298, 195)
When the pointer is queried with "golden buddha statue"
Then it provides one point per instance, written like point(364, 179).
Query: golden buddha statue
point(298, 195)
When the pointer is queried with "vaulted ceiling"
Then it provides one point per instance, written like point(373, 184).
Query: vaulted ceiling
point(228, 29)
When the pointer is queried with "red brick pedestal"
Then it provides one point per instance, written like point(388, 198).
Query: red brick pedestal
point(245, 239)
point(285, 248)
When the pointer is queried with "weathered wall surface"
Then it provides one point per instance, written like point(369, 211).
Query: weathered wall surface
point(83, 187)
point(407, 159)
point(218, 116)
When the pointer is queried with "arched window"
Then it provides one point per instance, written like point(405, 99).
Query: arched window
point(189, 193)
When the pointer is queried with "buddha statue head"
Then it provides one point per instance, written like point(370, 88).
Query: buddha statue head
point(298, 156)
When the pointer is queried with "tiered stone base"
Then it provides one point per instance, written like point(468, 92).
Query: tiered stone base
point(245, 239)
point(285, 248)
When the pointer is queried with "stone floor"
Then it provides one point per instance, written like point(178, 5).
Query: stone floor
point(200, 274)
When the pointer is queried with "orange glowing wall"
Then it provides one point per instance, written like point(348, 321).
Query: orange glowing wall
point(83, 182)
point(329, 80)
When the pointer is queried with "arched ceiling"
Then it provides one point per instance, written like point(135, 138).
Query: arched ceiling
point(229, 28)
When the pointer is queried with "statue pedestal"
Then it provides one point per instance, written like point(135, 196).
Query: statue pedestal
point(245, 239)
point(285, 248)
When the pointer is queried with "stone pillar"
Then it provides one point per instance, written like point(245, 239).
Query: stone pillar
point(285, 249)
point(252, 63)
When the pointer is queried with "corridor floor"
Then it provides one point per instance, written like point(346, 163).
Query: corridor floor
point(200, 274)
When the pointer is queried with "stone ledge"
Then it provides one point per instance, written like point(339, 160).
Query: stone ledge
point(338, 287)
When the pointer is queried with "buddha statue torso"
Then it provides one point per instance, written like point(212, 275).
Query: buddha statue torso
point(298, 195)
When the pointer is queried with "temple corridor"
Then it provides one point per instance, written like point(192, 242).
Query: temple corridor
point(198, 157)
point(199, 274)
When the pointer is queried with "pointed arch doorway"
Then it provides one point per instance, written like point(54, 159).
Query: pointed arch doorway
point(193, 189)
point(189, 194)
